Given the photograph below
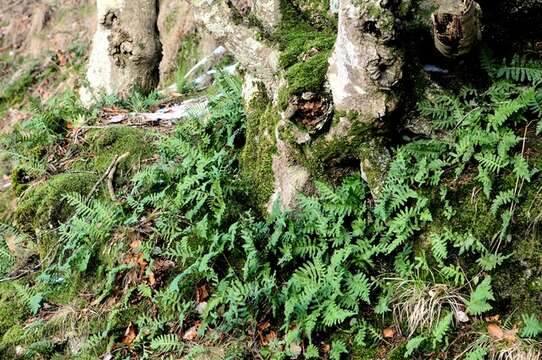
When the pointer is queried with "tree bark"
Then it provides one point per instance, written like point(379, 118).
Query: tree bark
point(126, 49)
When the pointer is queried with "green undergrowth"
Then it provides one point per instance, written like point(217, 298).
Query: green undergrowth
point(19, 77)
point(185, 261)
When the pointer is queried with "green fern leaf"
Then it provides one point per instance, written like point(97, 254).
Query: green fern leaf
point(479, 298)
point(413, 344)
point(477, 354)
point(166, 343)
point(503, 198)
point(338, 347)
point(532, 326)
point(442, 328)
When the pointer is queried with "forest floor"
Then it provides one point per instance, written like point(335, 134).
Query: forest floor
point(123, 236)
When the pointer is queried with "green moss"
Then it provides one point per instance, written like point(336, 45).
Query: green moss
point(297, 38)
point(43, 206)
point(323, 156)
point(9, 341)
point(318, 12)
point(308, 75)
point(397, 353)
point(11, 309)
point(364, 353)
point(188, 57)
point(102, 145)
point(256, 157)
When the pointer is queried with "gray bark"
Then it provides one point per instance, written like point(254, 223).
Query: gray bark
point(126, 49)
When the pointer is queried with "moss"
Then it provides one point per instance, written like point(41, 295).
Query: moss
point(308, 75)
point(324, 156)
point(257, 155)
point(318, 12)
point(102, 145)
point(397, 353)
point(297, 39)
point(364, 353)
point(11, 309)
point(188, 57)
point(43, 206)
point(9, 341)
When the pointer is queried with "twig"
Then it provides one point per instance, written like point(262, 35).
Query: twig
point(106, 173)
point(111, 175)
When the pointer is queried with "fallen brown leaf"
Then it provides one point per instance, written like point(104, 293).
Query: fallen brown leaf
point(129, 335)
point(135, 244)
point(495, 331)
point(202, 293)
point(510, 335)
point(191, 333)
point(152, 279)
point(142, 263)
point(388, 332)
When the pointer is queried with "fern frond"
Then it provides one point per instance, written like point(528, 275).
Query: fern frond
point(166, 343)
point(503, 198)
point(480, 297)
point(521, 69)
point(532, 326)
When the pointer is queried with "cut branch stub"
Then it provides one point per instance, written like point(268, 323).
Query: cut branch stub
point(456, 27)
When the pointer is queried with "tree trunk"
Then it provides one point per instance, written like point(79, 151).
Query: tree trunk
point(126, 49)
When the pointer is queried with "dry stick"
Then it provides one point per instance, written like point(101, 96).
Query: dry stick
point(111, 175)
point(95, 187)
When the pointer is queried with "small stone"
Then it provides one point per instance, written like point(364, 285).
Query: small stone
point(461, 316)
point(295, 350)
point(308, 95)
point(201, 307)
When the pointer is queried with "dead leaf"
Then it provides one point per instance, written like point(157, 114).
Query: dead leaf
point(495, 331)
point(269, 338)
point(141, 262)
point(152, 279)
point(326, 348)
point(191, 333)
point(388, 332)
point(264, 325)
point(494, 318)
point(510, 335)
point(135, 244)
point(202, 293)
point(129, 335)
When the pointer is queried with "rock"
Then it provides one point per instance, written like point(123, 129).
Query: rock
point(364, 69)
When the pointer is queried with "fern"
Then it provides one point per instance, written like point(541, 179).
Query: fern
point(338, 347)
point(413, 344)
point(166, 343)
point(442, 327)
point(480, 297)
point(438, 243)
point(491, 162)
point(503, 198)
point(521, 69)
point(31, 298)
point(532, 326)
